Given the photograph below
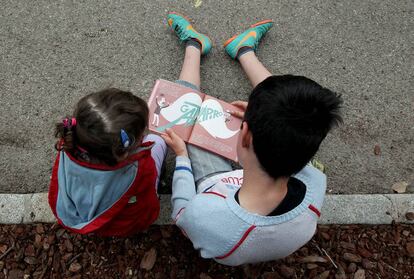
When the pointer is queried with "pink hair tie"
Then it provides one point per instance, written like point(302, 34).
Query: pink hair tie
point(66, 123)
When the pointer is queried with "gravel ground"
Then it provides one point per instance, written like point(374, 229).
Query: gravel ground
point(54, 52)
point(353, 251)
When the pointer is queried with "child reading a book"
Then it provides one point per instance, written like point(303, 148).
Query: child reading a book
point(106, 172)
point(270, 208)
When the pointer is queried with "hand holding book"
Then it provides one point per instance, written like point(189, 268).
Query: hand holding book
point(175, 143)
point(242, 105)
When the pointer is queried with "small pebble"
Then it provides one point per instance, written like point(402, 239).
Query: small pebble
point(360, 274)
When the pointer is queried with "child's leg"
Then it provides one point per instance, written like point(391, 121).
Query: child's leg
point(190, 71)
point(196, 44)
point(253, 68)
point(158, 153)
point(242, 47)
point(204, 164)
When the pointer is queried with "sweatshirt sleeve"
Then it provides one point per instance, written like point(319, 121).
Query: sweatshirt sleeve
point(183, 185)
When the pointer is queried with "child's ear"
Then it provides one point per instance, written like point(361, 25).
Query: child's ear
point(246, 135)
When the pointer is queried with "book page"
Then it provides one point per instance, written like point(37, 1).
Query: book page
point(173, 106)
point(216, 129)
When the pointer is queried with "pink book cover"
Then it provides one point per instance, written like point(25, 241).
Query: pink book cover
point(197, 118)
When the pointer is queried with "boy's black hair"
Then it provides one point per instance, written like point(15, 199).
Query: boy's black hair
point(288, 117)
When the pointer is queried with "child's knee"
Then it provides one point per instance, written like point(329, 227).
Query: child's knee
point(158, 141)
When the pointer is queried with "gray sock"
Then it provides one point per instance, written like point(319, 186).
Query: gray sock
point(243, 50)
point(193, 42)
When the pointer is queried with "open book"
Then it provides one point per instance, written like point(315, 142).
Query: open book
point(197, 118)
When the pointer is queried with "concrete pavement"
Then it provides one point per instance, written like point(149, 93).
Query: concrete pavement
point(54, 52)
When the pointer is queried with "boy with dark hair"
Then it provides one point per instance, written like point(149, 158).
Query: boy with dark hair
point(270, 208)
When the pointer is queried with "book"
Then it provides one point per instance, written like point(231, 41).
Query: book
point(199, 119)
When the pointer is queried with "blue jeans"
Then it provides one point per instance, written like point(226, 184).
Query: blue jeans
point(204, 164)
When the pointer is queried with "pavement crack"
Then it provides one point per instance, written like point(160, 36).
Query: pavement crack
point(393, 206)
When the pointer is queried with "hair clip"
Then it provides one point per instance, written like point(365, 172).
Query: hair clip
point(83, 153)
point(81, 149)
point(124, 139)
point(66, 123)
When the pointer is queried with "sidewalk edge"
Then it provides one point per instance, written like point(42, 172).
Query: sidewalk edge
point(337, 209)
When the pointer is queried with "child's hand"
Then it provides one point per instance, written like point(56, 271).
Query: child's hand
point(241, 105)
point(175, 142)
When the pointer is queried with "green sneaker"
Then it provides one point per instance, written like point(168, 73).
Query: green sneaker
point(249, 38)
point(184, 30)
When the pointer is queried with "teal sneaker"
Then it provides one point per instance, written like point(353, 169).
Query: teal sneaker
point(184, 30)
point(249, 38)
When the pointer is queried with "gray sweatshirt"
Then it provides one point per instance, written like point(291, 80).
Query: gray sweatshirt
point(221, 229)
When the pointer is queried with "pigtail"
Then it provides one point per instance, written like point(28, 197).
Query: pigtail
point(65, 132)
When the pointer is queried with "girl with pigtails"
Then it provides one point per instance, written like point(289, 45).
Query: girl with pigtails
point(106, 172)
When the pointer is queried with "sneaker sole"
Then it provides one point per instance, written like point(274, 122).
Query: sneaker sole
point(226, 43)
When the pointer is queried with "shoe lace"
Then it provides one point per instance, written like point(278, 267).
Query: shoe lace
point(178, 29)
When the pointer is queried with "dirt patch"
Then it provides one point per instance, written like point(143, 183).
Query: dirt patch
point(48, 251)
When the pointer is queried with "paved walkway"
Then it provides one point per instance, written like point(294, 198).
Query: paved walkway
point(52, 53)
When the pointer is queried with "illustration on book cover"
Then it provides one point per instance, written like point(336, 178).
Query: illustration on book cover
point(197, 118)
